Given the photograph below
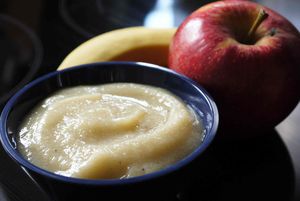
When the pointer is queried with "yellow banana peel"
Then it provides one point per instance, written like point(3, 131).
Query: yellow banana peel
point(128, 44)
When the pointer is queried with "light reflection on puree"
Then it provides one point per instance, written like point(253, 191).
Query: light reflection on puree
point(109, 131)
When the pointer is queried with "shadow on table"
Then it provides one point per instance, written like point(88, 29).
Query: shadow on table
point(15, 185)
point(253, 169)
point(250, 170)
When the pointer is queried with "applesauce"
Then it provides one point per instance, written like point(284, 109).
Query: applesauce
point(117, 130)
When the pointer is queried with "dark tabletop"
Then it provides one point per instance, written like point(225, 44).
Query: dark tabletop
point(264, 168)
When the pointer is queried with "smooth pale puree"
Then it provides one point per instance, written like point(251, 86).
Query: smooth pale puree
point(115, 130)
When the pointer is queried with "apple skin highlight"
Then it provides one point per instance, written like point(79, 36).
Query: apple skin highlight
point(256, 81)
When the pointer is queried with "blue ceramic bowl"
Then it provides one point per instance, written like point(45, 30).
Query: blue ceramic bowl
point(150, 185)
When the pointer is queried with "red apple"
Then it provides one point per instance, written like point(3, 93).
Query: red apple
point(248, 62)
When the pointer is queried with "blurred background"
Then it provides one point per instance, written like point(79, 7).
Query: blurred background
point(35, 36)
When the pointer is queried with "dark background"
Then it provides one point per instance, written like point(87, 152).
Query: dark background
point(263, 168)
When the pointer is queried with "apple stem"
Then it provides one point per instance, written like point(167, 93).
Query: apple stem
point(261, 16)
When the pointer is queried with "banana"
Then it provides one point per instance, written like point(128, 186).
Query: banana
point(128, 44)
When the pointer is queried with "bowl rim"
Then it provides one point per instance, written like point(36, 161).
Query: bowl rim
point(16, 156)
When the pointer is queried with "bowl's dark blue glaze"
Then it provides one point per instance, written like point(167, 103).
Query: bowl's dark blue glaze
point(149, 186)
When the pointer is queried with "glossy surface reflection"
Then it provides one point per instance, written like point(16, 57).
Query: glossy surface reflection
point(20, 56)
point(256, 169)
